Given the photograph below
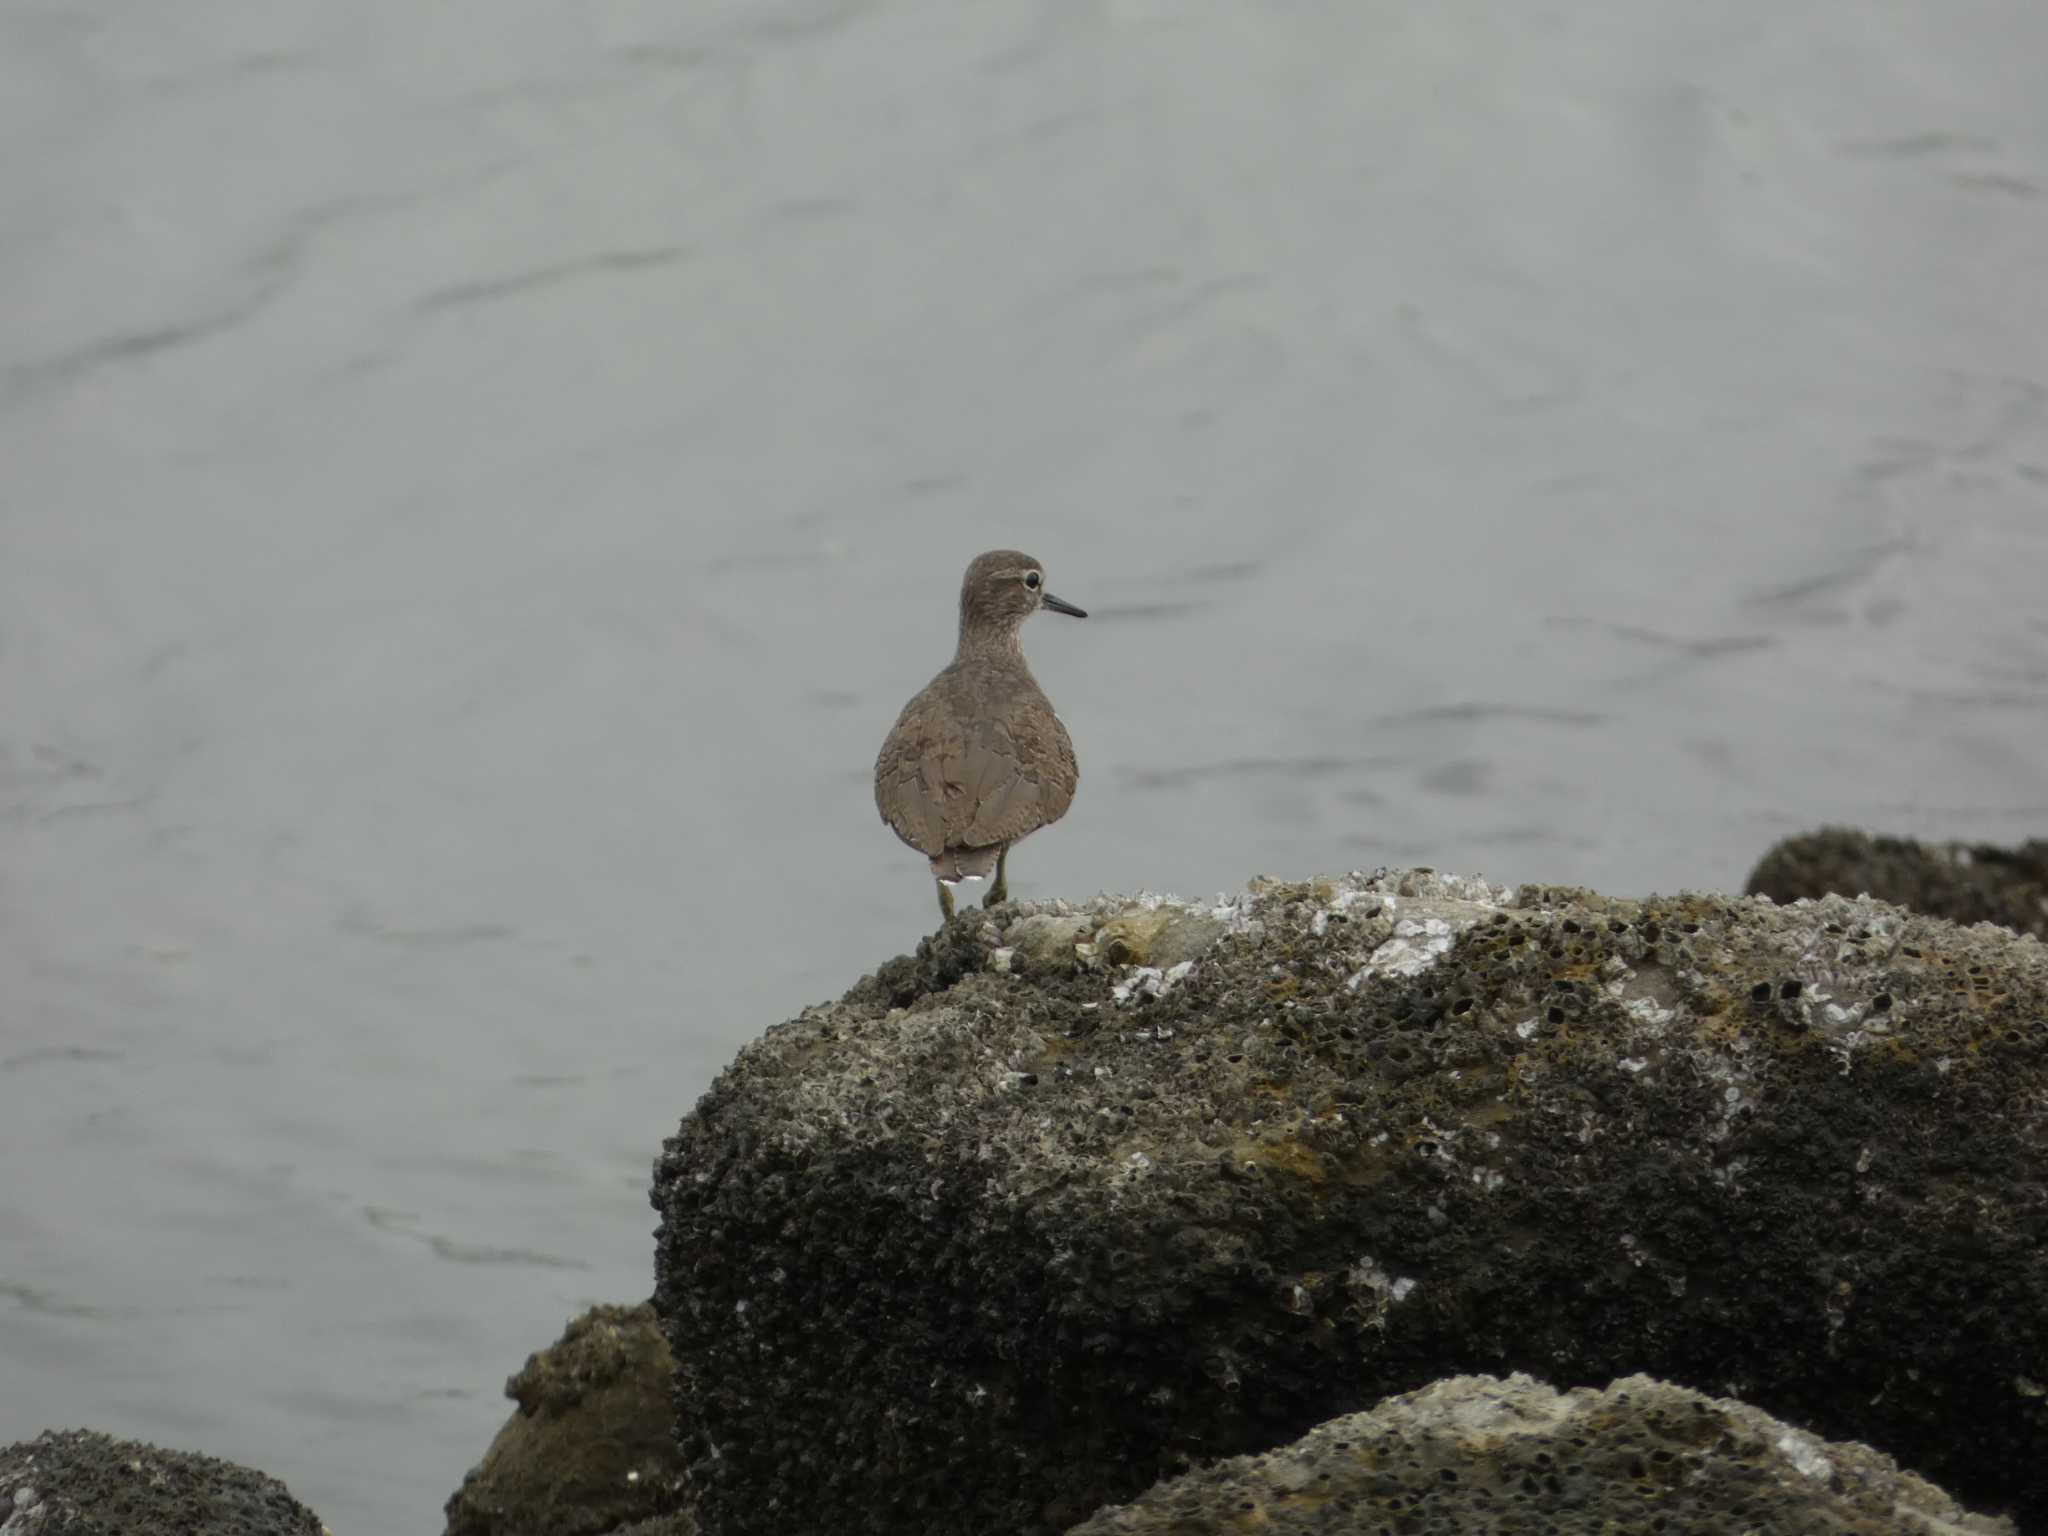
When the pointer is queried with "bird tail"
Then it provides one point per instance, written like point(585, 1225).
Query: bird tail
point(956, 864)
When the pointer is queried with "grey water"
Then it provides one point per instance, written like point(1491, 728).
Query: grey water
point(478, 480)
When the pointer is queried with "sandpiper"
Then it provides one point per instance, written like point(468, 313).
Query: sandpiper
point(978, 759)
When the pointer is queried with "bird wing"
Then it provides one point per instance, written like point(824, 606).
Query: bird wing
point(1020, 775)
point(912, 782)
point(940, 785)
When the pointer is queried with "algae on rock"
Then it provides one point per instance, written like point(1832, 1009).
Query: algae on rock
point(590, 1446)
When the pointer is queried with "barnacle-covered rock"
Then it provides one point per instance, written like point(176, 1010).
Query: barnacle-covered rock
point(1963, 882)
point(1517, 1458)
point(1029, 1220)
point(83, 1483)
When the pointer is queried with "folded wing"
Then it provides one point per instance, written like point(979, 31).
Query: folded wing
point(941, 785)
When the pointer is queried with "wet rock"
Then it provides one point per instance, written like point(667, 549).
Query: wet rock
point(83, 1483)
point(1963, 882)
point(987, 1249)
point(592, 1445)
point(1516, 1458)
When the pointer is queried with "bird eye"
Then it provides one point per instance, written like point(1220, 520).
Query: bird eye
point(1033, 580)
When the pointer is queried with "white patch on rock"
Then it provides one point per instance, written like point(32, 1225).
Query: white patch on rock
point(1143, 981)
point(1150, 981)
point(1417, 945)
point(1804, 1452)
point(1367, 1275)
point(1348, 892)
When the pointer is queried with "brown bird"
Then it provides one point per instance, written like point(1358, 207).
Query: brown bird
point(978, 759)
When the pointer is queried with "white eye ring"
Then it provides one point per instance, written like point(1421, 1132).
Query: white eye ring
point(1033, 580)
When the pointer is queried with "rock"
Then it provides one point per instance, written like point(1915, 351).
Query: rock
point(1963, 882)
point(974, 1249)
point(1516, 1458)
point(1045, 941)
point(592, 1446)
point(83, 1483)
point(1160, 936)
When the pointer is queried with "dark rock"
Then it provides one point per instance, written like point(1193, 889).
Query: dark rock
point(83, 1483)
point(682, 1523)
point(592, 1447)
point(1059, 1228)
point(1515, 1458)
point(1963, 882)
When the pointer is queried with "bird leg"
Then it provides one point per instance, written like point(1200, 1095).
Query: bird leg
point(945, 902)
point(999, 892)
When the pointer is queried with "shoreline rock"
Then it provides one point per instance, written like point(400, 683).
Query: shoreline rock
point(1142, 1216)
point(590, 1448)
point(1029, 1220)
point(1963, 882)
point(83, 1483)
point(1516, 1458)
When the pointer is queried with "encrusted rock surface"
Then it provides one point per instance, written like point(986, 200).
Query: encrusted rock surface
point(1029, 1220)
point(83, 1483)
point(1478, 1456)
point(1963, 882)
point(592, 1445)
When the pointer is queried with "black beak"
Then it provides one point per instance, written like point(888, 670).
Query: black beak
point(1059, 607)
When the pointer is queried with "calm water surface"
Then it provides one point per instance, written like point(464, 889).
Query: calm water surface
point(476, 482)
